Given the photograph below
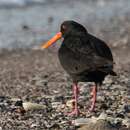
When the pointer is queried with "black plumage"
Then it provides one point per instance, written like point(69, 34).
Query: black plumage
point(83, 56)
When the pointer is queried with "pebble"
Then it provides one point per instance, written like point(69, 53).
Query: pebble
point(99, 125)
point(32, 106)
point(127, 108)
point(56, 104)
point(108, 80)
point(81, 121)
point(70, 103)
point(34, 125)
point(126, 122)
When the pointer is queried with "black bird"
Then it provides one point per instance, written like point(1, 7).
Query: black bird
point(84, 57)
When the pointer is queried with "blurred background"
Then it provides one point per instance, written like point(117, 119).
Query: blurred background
point(27, 23)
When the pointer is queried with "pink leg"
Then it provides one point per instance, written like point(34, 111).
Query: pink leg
point(94, 93)
point(75, 110)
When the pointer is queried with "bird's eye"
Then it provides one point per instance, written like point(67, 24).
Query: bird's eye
point(63, 27)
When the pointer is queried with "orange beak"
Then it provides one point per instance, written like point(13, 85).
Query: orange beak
point(52, 40)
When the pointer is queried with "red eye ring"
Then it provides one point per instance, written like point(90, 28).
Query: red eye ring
point(64, 27)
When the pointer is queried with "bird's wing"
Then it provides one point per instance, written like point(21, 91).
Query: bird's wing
point(90, 55)
point(100, 47)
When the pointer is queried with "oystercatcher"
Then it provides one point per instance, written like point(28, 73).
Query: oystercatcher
point(84, 57)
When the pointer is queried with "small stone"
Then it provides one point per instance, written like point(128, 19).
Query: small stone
point(34, 125)
point(120, 115)
point(100, 98)
point(99, 125)
point(126, 122)
point(108, 80)
point(104, 106)
point(109, 112)
point(32, 106)
point(15, 99)
point(56, 104)
point(81, 121)
point(70, 103)
point(127, 108)
point(102, 116)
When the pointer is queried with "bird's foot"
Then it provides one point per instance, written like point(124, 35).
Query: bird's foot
point(93, 100)
point(92, 107)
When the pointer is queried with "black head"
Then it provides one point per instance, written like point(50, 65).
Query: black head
point(68, 28)
point(72, 28)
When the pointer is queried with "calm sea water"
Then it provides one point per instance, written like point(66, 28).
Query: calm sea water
point(19, 3)
point(16, 13)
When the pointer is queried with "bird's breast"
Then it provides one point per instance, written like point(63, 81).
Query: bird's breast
point(68, 59)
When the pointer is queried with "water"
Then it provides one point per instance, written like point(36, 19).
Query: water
point(19, 3)
point(37, 17)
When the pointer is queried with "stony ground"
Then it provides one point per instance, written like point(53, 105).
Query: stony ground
point(36, 76)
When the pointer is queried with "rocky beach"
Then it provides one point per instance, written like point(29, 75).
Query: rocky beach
point(35, 91)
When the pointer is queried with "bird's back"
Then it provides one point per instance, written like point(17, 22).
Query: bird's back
point(100, 47)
